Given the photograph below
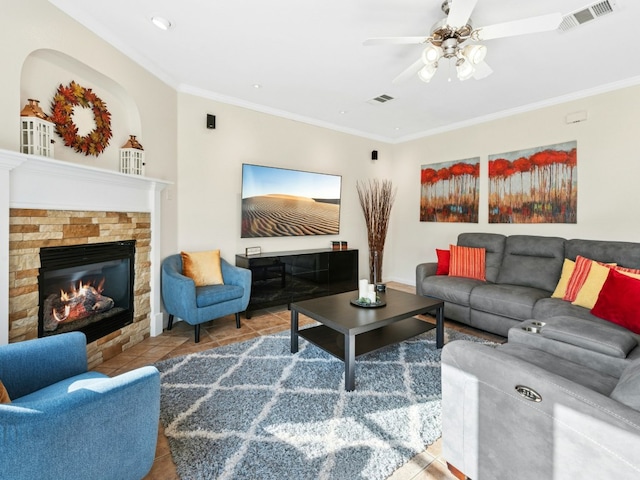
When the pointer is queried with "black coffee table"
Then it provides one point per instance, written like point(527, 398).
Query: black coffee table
point(348, 331)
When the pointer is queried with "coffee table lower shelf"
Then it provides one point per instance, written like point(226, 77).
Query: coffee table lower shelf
point(332, 341)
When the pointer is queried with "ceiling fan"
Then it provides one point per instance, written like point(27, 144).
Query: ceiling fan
point(448, 39)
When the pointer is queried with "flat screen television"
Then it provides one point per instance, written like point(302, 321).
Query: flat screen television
point(279, 202)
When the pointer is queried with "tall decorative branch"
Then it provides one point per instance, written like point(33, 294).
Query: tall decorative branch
point(376, 199)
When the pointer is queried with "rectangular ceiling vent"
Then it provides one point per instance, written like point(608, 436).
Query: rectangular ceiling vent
point(586, 14)
point(380, 99)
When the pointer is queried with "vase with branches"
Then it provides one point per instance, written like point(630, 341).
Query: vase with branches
point(376, 199)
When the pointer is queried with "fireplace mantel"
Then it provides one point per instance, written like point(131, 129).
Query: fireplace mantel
point(34, 182)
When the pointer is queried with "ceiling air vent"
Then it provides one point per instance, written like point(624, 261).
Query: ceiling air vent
point(586, 14)
point(380, 99)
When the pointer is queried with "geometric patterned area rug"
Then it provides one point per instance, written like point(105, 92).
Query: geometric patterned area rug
point(253, 410)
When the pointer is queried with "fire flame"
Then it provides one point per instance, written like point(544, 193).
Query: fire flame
point(75, 298)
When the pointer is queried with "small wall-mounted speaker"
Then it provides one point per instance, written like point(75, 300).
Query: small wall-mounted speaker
point(374, 155)
point(211, 121)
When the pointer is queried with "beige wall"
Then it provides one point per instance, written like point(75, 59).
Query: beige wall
point(608, 173)
point(35, 25)
point(209, 174)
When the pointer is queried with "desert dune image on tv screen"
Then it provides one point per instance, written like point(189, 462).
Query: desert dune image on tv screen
point(278, 202)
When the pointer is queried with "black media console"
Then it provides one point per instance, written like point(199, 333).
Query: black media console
point(280, 278)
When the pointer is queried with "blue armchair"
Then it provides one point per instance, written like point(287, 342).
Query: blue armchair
point(197, 305)
point(66, 422)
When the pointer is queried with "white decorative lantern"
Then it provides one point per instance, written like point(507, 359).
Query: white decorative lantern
point(132, 157)
point(36, 131)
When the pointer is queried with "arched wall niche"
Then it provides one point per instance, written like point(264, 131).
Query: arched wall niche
point(44, 70)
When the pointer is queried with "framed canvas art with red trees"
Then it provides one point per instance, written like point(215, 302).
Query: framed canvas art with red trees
point(449, 191)
point(537, 185)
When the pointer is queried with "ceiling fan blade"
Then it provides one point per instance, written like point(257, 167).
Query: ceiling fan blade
point(413, 69)
point(459, 12)
point(482, 70)
point(395, 41)
point(542, 23)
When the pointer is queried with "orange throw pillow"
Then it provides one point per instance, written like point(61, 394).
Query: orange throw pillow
point(467, 262)
point(203, 267)
point(4, 395)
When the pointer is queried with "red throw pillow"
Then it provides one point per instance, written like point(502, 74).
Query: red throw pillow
point(443, 261)
point(467, 262)
point(619, 301)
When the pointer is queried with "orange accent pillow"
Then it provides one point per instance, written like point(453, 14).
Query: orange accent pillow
point(467, 262)
point(4, 395)
point(203, 267)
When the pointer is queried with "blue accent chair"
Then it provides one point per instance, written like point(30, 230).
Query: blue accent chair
point(197, 305)
point(66, 422)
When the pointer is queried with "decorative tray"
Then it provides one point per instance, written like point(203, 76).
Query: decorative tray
point(369, 304)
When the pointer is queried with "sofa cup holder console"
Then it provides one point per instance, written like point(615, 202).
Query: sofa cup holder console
point(533, 327)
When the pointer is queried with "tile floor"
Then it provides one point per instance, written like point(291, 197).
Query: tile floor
point(427, 465)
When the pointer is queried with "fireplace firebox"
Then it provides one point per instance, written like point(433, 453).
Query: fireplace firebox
point(87, 288)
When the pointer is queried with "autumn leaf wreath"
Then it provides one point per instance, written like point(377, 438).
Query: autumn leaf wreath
point(64, 101)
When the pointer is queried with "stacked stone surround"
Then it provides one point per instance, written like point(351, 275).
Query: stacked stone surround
point(30, 230)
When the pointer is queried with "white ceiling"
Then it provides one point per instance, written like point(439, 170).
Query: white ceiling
point(308, 57)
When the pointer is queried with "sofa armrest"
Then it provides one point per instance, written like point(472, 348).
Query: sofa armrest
point(34, 364)
point(491, 431)
point(105, 428)
point(424, 270)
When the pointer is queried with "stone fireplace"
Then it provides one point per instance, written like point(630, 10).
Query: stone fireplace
point(36, 218)
point(33, 232)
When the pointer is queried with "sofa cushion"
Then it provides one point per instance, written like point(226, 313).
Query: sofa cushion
point(627, 390)
point(585, 376)
point(493, 243)
point(592, 336)
point(532, 261)
point(514, 301)
point(450, 289)
point(214, 294)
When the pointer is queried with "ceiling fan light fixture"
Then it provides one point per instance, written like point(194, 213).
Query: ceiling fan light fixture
point(427, 72)
point(475, 54)
point(431, 54)
point(464, 69)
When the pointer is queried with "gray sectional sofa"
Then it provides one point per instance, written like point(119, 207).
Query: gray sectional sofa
point(522, 272)
point(560, 399)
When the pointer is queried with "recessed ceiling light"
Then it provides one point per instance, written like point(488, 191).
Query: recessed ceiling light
point(257, 85)
point(161, 22)
point(343, 112)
